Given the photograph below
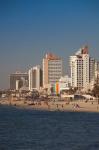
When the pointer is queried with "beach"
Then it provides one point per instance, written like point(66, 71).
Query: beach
point(74, 105)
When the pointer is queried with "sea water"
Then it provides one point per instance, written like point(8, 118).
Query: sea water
point(24, 129)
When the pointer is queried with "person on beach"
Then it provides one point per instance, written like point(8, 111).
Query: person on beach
point(57, 105)
point(77, 106)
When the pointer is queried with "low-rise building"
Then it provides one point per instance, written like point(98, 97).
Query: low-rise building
point(64, 83)
point(18, 80)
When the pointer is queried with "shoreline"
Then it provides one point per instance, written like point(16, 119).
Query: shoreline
point(63, 106)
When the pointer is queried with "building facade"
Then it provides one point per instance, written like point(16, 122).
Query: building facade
point(92, 69)
point(35, 78)
point(18, 80)
point(97, 72)
point(52, 69)
point(64, 83)
point(82, 69)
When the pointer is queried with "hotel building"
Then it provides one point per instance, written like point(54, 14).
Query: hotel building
point(52, 69)
point(82, 69)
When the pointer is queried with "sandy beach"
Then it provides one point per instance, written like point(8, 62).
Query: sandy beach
point(77, 105)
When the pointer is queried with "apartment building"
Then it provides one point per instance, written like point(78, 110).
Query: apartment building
point(82, 68)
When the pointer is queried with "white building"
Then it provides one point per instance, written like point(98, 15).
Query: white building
point(76, 64)
point(82, 68)
point(64, 83)
point(86, 70)
point(34, 78)
point(17, 84)
point(52, 69)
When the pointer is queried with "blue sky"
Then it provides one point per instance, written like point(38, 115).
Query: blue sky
point(30, 28)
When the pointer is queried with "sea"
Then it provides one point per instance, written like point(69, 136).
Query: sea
point(27, 129)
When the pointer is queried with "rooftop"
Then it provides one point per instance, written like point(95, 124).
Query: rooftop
point(51, 56)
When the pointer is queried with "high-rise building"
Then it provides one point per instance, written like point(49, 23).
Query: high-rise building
point(92, 69)
point(97, 72)
point(18, 80)
point(35, 78)
point(52, 69)
point(82, 68)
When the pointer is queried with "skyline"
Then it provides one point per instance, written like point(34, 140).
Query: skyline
point(29, 29)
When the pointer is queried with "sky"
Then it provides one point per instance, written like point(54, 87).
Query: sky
point(31, 28)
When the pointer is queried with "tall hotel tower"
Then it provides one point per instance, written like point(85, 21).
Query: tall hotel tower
point(82, 68)
point(52, 69)
point(35, 78)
